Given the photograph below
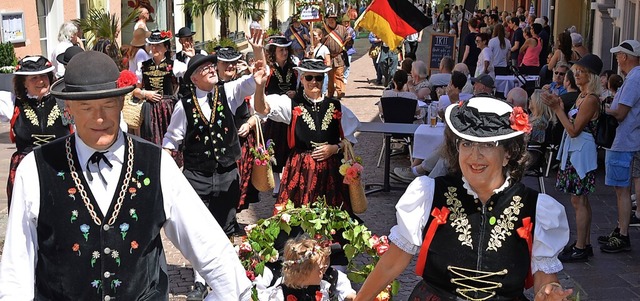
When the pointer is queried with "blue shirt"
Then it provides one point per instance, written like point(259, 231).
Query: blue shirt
point(628, 132)
point(554, 86)
point(295, 45)
point(352, 33)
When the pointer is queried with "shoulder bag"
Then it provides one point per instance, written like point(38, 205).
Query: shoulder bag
point(605, 131)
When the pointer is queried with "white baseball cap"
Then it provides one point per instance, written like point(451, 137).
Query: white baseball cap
point(631, 47)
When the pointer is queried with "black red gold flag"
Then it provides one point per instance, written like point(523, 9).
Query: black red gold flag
point(392, 20)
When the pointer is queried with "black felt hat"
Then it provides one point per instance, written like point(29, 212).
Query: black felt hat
point(66, 56)
point(228, 54)
point(158, 37)
point(484, 79)
point(195, 62)
point(312, 65)
point(185, 32)
point(592, 62)
point(33, 65)
point(279, 41)
point(93, 75)
point(486, 119)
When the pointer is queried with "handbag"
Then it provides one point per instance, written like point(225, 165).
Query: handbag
point(356, 190)
point(374, 50)
point(605, 129)
point(132, 111)
point(261, 175)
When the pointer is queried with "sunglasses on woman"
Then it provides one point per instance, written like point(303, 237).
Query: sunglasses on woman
point(318, 78)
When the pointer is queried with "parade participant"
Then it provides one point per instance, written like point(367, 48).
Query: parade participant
point(282, 79)
point(478, 212)
point(337, 39)
point(181, 59)
point(298, 35)
point(89, 208)
point(157, 88)
point(316, 127)
point(346, 22)
point(204, 124)
point(143, 18)
point(36, 118)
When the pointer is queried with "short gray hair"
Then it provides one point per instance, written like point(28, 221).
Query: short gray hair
point(67, 31)
point(420, 68)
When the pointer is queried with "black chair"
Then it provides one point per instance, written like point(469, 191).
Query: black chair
point(434, 94)
point(540, 157)
point(398, 110)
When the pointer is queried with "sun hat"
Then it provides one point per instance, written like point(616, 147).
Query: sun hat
point(592, 62)
point(484, 79)
point(312, 65)
point(576, 38)
point(93, 75)
point(345, 18)
point(66, 56)
point(158, 37)
point(185, 32)
point(33, 65)
point(228, 54)
point(486, 119)
point(631, 47)
point(279, 41)
point(195, 62)
point(139, 36)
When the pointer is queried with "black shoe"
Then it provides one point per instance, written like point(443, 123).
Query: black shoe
point(616, 244)
point(569, 249)
point(198, 292)
point(576, 255)
point(634, 221)
point(604, 239)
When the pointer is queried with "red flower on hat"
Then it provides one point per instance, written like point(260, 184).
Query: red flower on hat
point(165, 34)
point(18, 67)
point(520, 120)
point(126, 79)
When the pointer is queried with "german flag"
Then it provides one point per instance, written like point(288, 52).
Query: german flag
point(392, 20)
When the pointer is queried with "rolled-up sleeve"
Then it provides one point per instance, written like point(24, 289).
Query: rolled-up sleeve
point(280, 108)
point(412, 214)
point(350, 124)
point(551, 234)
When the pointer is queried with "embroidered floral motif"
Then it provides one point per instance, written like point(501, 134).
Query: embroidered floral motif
point(124, 227)
point(74, 215)
point(116, 255)
point(85, 231)
point(306, 117)
point(139, 182)
point(72, 191)
point(33, 117)
point(458, 217)
point(134, 246)
point(94, 257)
point(97, 284)
point(133, 214)
point(337, 114)
point(328, 116)
point(61, 174)
point(55, 113)
point(132, 191)
point(76, 248)
point(505, 224)
point(115, 283)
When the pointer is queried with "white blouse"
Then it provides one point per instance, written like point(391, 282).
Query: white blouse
point(551, 229)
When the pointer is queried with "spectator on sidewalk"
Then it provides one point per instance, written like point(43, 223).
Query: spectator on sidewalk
point(143, 18)
point(626, 109)
point(517, 97)
point(67, 37)
point(471, 50)
point(443, 77)
point(557, 86)
point(374, 54)
point(579, 50)
point(517, 40)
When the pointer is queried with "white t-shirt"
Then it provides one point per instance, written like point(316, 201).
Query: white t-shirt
point(135, 64)
point(440, 79)
point(485, 55)
point(499, 56)
point(60, 48)
point(319, 53)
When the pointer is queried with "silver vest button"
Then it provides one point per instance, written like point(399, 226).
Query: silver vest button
point(107, 274)
point(107, 250)
point(106, 227)
point(107, 298)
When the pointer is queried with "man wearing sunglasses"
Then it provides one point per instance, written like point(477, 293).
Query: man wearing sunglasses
point(557, 86)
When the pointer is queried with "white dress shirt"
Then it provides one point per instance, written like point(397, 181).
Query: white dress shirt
point(189, 226)
point(235, 91)
point(179, 68)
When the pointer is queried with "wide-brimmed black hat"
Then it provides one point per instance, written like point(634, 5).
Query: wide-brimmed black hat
point(592, 62)
point(312, 65)
point(228, 54)
point(66, 56)
point(279, 41)
point(185, 32)
point(486, 119)
point(33, 65)
point(93, 75)
point(195, 62)
point(158, 37)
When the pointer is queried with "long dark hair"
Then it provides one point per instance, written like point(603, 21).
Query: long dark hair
point(271, 56)
point(19, 87)
point(498, 31)
point(564, 44)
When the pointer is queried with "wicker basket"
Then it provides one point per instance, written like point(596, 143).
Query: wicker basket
point(132, 111)
point(261, 175)
point(356, 190)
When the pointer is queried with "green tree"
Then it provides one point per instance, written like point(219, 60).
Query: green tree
point(275, 6)
point(246, 9)
point(220, 8)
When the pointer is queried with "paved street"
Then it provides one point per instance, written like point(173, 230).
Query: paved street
point(604, 277)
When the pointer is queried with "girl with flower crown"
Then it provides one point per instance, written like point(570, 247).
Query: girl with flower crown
point(307, 276)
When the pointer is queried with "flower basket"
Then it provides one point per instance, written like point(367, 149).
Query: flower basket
point(351, 170)
point(261, 174)
point(132, 111)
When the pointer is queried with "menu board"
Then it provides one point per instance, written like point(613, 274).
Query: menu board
point(442, 45)
point(12, 27)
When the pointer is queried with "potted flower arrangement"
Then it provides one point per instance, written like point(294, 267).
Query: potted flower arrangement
point(351, 169)
point(321, 222)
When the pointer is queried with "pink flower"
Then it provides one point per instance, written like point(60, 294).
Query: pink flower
point(245, 247)
point(285, 217)
point(374, 241)
point(381, 249)
point(251, 275)
point(352, 173)
point(520, 120)
point(257, 162)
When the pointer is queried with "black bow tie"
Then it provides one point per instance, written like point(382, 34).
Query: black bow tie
point(95, 159)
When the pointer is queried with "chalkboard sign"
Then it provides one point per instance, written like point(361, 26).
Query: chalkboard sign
point(442, 45)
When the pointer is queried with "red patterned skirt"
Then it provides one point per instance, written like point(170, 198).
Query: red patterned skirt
point(16, 158)
point(305, 179)
point(248, 193)
point(157, 117)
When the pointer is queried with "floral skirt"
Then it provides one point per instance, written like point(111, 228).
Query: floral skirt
point(248, 193)
point(568, 181)
point(277, 132)
point(16, 158)
point(157, 117)
point(304, 180)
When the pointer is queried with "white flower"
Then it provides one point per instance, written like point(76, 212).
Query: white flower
point(248, 228)
point(286, 217)
point(95, 254)
point(115, 254)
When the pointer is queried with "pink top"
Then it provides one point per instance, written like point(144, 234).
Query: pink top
point(532, 55)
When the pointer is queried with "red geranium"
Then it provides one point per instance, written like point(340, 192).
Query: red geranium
point(126, 79)
point(297, 111)
point(337, 114)
point(165, 34)
point(318, 296)
point(520, 120)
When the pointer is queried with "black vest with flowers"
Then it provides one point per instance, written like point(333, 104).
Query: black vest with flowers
point(481, 239)
point(119, 256)
point(315, 123)
point(159, 77)
point(213, 142)
point(37, 123)
point(282, 80)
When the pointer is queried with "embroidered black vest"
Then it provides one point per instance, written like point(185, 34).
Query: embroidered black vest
point(315, 123)
point(37, 124)
point(118, 256)
point(208, 143)
point(480, 238)
point(281, 80)
point(159, 77)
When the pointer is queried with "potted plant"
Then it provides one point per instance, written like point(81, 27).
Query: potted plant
point(8, 62)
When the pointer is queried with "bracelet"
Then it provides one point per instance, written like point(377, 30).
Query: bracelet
point(339, 148)
point(541, 290)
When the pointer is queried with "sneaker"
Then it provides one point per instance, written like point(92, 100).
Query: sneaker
point(604, 239)
point(617, 244)
point(198, 292)
point(404, 173)
point(634, 221)
point(575, 255)
point(569, 249)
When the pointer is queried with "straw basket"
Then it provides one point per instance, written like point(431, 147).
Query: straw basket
point(261, 175)
point(132, 111)
point(356, 190)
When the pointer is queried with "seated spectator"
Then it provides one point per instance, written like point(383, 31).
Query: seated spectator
point(557, 85)
point(399, 81)
point(483, 85)
point(444, 76)
point(468, 86)
point(517, 97)
point(453, 93)
point(541, 117)
point(421, 86)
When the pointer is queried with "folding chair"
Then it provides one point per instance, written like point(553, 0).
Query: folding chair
point(398, 110)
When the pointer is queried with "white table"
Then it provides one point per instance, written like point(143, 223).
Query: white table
point(427, 140)
point(504, 83)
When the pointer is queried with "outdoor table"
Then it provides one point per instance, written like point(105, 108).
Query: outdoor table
point(427, 140)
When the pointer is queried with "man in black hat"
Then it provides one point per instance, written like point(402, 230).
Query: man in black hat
point(181, 59)
point(203, 124)
point(89, 207)
point(483, 85)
